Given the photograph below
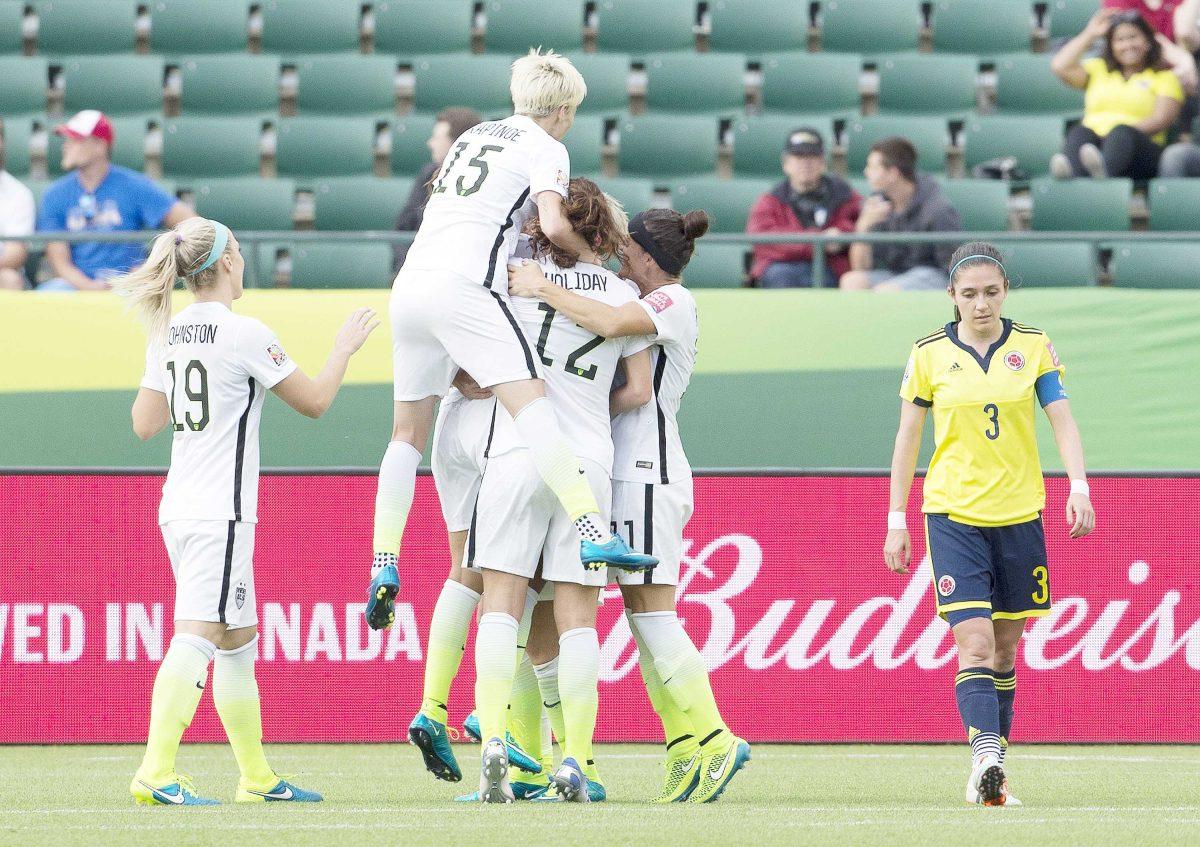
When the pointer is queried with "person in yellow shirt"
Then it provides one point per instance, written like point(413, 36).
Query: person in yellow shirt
point(983, 494)
point(1131, 99)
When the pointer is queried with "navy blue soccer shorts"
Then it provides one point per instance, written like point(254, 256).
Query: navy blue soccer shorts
point(988, 571)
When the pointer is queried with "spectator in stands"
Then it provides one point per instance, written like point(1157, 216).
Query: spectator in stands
point(98, 196)
point(16, 218)
point(449, 125)
point(903, 201)
point(808, 200)
point(1132, 99)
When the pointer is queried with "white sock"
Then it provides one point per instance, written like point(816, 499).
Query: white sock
point(579, 671)
point(393, 498)
point(447, 637)
point(495, 666)
point(531, 600)
point(547, 677)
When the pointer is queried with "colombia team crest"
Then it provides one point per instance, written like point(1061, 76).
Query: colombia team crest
point(1014, 360)
point(946, 586)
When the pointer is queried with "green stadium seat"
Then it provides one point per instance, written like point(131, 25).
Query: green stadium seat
point(351, 265)
point(982, 27)
point(1030, 139)
point(115, 84)
point(811, 82)
point(727, 201)
point(212, 146)
point(359, 202)
point(646, 26)
point(326, 146)
point(309, 26)
point(696, 82)
point(1081, 204)
point(510, 28)
point(981, 203)
point(1042, 264)
point(1069, 17)
point(480, 82)
point(756, 26)
point(247, 203)
point(417, 27)
point(668, 145)
point(1174, 205)
point(928, 134)
point(18, 131)
point(718, 266)
point(758, 141)
point(12, 12)
point(233, 83)
point(85, 26)
point(868, 26)
point(345, 84)
point(607, 76)
point(185, 27)
point(585, 143)
point(914, 83)
point(25, 82)
point(635, 195)
point(1024, 83)
point(129, 145)
point(409, 149)
point(1137, 264)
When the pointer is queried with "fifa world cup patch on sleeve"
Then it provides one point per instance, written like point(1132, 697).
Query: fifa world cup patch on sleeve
point(659, 301)
point(561, 179)
point(277, 355)
point(1053, 355)
point(908, 371)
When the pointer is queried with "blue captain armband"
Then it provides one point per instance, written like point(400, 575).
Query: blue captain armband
point(1049, 388)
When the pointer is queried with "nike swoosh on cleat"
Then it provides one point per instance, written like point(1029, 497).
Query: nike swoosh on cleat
point(174, 799)
point(716, 775)
point(286, 794)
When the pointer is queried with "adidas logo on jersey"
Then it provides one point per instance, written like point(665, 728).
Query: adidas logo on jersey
point(955, 368)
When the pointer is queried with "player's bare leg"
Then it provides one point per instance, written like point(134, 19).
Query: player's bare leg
point(975, 691)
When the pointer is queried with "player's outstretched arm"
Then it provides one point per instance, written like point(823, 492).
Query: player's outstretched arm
point(150, 413)
point(639, 385)
point(553, 220)
point(313, 396)
point(897, 548)
point(527, 280)
point(1080, 515)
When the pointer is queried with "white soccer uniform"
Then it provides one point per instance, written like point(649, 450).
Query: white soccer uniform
point(458, 455)
point(518, 518)
point(652, 479)
point(449, 306)
point(215, 370)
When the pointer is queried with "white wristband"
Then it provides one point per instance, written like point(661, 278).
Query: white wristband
point(1080, 486)
point(897, 520)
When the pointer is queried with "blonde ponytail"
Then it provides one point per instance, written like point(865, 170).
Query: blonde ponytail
point(174, 254)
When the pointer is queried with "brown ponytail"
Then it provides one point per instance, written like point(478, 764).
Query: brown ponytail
point(674, 235)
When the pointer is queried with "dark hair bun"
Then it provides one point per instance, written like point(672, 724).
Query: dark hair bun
point(695, 224)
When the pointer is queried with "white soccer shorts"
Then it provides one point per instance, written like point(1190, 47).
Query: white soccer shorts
point(442, 322)
point(455, 469)
point(519, 520)
point(651, 518)
point(213, 563)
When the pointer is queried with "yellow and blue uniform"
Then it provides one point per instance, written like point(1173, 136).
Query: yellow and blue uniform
point(984, 491)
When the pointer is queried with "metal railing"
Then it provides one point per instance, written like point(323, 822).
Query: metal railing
point(251, 239)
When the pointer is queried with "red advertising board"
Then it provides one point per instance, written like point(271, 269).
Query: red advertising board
point(808, 635)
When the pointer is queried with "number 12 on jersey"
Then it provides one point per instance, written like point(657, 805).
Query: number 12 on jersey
point(199, 394)
point(572, 366)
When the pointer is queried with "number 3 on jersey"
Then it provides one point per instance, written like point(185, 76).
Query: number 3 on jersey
point(198, 394)
point(477, 162)
point(993, 413)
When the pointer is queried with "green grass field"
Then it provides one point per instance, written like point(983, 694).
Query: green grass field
point(859, 795)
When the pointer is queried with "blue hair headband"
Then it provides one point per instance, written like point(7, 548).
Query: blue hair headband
point(220, 241)
point(977, 256)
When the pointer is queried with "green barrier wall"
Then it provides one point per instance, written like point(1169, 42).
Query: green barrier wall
point(784, 379)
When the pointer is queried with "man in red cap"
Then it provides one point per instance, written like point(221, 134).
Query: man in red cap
point(98, 196)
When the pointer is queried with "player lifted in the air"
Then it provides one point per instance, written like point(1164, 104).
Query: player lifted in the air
point(449, 309)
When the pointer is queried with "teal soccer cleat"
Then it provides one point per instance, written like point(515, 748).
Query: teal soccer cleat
point(517, 757)
point(381, 598)
point(520, 790)
point(178, 793)
point(570, 784)
point(283, 792)
point(430, 738)
point(614, 553)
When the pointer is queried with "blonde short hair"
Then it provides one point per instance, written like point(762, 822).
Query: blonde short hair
point(542, 83)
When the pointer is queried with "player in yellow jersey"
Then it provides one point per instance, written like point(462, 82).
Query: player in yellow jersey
point(984, 493)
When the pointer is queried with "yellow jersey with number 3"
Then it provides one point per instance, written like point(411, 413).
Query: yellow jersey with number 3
point(985, 469)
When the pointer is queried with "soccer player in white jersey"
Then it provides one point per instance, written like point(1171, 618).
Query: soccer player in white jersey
point(652, 492)
point(518, 519)
point(207, 372)
point(449, 309)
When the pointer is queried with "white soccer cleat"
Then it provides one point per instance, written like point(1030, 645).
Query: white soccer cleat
point(987, 783)
point(1009, 798)
point(493, 774)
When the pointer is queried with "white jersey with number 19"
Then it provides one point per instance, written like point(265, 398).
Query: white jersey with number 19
point(214, 369)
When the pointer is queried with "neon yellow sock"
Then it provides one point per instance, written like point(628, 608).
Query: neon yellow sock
point(178, 686)
point(525, 710)
point(579, 669)
point(547, 677)
point(394, 495)
point(495, 665)
point(678, 733)
point(235, 693)
point(556, 463)
point(447, 637)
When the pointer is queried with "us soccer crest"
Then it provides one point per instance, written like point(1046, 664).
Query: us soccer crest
point(239, 595)
point(277, 355)
point(1014, 360)
point(946, 586)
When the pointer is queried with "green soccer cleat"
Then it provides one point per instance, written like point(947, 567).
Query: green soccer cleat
point(717, 769)
point(682, 777)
